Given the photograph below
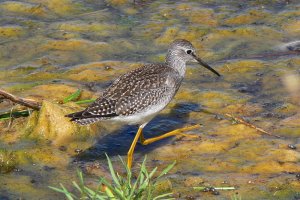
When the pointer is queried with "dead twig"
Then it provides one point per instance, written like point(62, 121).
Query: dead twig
point(239, 120)
point(25, 102)
point(250, 125)
point(10, 118)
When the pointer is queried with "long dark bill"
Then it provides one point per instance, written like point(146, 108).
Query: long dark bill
point(201, 62)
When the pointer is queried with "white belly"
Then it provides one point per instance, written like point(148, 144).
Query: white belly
point(141, 117)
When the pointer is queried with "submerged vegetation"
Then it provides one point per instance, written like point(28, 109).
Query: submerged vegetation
point(8, 161)
point(126, 187)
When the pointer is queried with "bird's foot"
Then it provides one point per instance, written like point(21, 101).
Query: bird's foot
point(171, 133)
point(189, 135)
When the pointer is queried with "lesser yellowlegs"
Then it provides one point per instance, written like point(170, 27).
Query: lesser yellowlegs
point(139, 95)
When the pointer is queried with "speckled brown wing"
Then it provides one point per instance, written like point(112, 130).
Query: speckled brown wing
point(101, 109)
point(142, 88)
point(131, 93)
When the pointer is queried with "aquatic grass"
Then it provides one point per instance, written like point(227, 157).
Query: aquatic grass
point(122, 187)
point(85, 101)
point(15, 114)
point(72, 97)
point(75, 96)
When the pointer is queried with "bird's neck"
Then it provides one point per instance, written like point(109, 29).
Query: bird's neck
point(176, 63)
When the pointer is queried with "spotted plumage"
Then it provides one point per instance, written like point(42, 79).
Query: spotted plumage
point(132, 93)
point(137, 96)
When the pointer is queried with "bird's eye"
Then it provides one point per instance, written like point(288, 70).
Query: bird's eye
point(189, 51)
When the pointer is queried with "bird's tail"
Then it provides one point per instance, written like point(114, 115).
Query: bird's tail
point(79, 118)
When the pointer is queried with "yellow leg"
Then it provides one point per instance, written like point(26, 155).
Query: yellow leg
point(142, 138)
point(131, 150)
point(172, 133)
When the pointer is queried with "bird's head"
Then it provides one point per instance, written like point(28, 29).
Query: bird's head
point(185, 51)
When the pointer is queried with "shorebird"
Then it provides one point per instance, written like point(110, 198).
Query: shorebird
point(139, 95)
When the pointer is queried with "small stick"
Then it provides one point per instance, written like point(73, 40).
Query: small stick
point(25, 102)
point(216, 188)
point(250, 125)
point(10, 118)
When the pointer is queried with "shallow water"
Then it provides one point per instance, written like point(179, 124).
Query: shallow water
point(49, 49)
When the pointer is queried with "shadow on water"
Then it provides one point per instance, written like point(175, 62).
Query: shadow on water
point(118, 142)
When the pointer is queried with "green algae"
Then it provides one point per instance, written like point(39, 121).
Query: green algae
point(51, 124)
point(11, 31)
point(15, 49)
point(22, 8)
point(250, 17)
